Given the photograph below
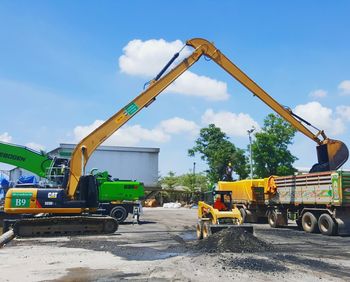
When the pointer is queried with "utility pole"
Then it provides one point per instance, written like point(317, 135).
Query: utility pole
point(250, 131)
point(194, 175)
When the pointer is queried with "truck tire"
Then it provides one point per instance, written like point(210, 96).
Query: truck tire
point(199, 230)
point(119, 213)
point(206, 230)
point(309, 223)
point(243, 214)
point(327, 225)
point(272, 219)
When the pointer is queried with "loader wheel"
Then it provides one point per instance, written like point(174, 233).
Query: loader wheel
point(243, 214)
point(206, 230)
point(327, 225)
point(309, 223)
point(272, 218)
point(119, 213)
point(199, 230)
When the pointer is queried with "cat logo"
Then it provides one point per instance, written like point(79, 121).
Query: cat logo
point(52, 195)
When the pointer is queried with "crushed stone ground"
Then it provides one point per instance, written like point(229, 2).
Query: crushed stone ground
point(233, 240)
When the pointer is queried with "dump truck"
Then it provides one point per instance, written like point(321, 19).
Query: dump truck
point(216, 213)
point(318, 202)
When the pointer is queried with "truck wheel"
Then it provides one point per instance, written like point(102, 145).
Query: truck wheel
point(243, 214)
point(327, 225)
point(119, 213)
point(206, 230)
point(309, 223)
point(272, 218)
point(199, 230)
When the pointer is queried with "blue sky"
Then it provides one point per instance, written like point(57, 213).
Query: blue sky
point(65, 66)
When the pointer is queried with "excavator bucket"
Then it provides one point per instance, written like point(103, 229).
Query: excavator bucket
point(331, 156)
point(218, 227)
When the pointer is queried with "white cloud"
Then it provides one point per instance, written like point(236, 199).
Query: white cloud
point(35, 146)
point(5, 137)
point(147, 58)
point(319, 93)
point(230, 123)
point(133, 135)
point(192, 84)
point(126, 136)
point(343, 112)
point(178, 125)
point(81, 131)
point(321, 117)
point(344, 87)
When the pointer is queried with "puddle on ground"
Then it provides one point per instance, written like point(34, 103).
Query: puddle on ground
point(85, 274)
point(189, 236)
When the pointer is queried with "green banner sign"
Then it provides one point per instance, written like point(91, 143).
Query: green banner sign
point(21, 199)
point(131, 109)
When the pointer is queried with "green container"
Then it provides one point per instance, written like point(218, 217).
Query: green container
point(121, 191)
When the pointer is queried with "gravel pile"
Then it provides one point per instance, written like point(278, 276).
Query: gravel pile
point(252, 264)
point(234, 240)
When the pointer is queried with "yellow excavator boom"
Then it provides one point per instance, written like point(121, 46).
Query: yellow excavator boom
point(331, 153)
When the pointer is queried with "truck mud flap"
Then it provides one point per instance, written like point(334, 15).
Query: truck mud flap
point(343, 221)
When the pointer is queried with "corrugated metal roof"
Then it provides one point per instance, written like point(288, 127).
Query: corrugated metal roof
point(70, 147)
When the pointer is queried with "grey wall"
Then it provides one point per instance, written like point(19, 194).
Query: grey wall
point(121, 162)
point(132, 165)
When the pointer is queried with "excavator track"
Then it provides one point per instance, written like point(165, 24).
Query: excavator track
point(65, 226)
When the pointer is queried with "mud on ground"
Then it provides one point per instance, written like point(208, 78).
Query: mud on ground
point(163, 248)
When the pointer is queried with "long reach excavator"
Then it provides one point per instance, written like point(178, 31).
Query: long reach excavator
point(70, 209)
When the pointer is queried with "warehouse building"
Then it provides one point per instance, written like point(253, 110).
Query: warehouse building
point(132, 163)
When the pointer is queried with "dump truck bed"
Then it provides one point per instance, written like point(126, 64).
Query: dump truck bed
point(323, 188)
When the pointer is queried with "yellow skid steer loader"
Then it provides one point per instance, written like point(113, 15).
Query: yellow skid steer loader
point(216, 213)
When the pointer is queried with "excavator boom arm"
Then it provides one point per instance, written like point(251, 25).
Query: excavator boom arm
point(88, 145)
point(26, 158)
point(245, 80)
point(334, 154)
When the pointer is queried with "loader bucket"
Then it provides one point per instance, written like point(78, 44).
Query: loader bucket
point(331, 155)
point(217, 228)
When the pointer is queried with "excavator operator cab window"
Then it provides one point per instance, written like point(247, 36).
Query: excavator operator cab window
point(222, 200)
point(219, 202)
point(208, 197)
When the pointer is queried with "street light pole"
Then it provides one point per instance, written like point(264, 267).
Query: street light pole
point(194, 175)
point(250, 131)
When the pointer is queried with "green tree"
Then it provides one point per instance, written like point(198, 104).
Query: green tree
point(170, 181)
point(195, 182)
point(270, 148)
point(215, 148)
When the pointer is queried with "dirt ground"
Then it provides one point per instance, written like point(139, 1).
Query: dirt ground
point(164, 248)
